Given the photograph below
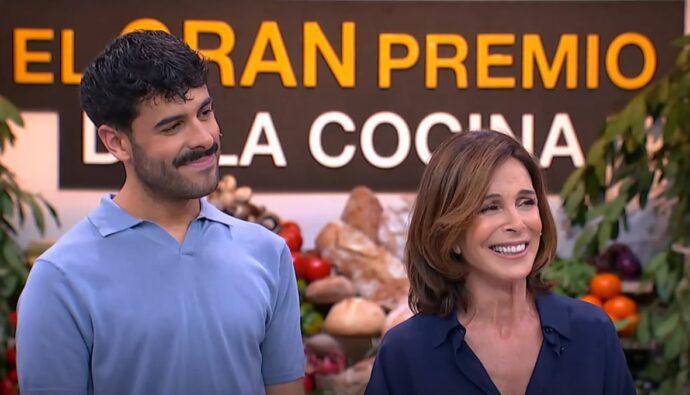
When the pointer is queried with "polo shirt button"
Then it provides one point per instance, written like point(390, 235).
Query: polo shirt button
point(562, 349)
point(547, 330)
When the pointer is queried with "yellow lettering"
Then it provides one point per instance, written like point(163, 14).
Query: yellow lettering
point(221, 54)
point(343, 69)
point(648, 57)
point(388, 63)
point(22, 56)
point(269, 34)
point(566, 53)
point(485, 60)
point(592, 61)
point(67, 74)
point(144, 24)
point(455, 63)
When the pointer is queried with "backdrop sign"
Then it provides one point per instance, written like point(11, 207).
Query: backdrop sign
point(322, 96)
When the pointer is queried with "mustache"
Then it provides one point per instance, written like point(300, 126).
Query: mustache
point(191, 156)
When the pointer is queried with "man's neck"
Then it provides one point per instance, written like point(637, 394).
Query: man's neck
point(173, 215)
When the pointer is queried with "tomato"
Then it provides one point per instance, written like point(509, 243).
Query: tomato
point(290, 226)
point(11, 356)
point(309, 384)
point(620, 306)
point(300, 264)
point(293, 239)
point(317, 268)
point(592, 299)
point(605, 286)
point(631, 327)
point(12, 376)
point(12, 317)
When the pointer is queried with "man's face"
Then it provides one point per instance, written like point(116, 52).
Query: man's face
point(176, 146)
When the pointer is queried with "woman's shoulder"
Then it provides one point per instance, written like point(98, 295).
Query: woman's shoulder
point(576, 313)
point(419, 330)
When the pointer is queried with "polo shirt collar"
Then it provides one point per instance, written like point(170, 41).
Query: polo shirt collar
point(109, 218)
point(211, 212)
point(553, 316)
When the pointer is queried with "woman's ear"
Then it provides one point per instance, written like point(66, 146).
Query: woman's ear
point(116, 142)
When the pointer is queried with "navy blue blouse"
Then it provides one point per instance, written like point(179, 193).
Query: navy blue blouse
point(580, 355)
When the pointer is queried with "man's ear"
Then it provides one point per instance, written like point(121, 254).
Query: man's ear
point(116, 142)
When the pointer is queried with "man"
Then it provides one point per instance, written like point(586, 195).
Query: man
point(157, 292)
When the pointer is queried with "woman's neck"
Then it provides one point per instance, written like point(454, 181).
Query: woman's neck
point(498, 305)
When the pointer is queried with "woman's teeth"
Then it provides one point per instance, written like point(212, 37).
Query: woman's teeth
point(508, 250)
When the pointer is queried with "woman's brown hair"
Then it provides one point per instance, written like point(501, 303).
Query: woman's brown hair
point(450, 194)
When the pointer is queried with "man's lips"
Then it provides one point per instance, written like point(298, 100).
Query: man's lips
point(202, 163)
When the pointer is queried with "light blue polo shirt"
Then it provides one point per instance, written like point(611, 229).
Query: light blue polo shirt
point(119, 307)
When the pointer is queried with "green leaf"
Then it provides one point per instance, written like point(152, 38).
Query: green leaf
point(597, 152)
point(583, 241)
point(643, 331)
point(681, 41)
point(673, 346)
point(664, 329)
point(575, 198)
point(614, 211)
point(604, 234)
point(37, 213)
point(571, 182)
point(9, 111)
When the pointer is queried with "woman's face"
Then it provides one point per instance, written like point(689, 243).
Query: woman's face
point(501, 243)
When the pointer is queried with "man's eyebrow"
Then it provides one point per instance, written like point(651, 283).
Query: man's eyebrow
point(208, 101)
point(178, 117)
point(168, 120)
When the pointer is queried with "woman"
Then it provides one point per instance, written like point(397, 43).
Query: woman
point(480, 236)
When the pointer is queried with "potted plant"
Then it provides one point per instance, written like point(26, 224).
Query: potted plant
point(619, 173)
point(16, 205)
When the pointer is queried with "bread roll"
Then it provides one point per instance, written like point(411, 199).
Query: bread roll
point(355, 317)
point(328, 290)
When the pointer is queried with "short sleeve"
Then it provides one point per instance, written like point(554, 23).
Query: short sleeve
point(54, 335)
point(282, 350)
point(618, 378)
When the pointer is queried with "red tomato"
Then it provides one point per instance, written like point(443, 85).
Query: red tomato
point(11, 355)
point(12, 317)
point(317, 268)
point(12, 376)
point(309, 384)
point(300, 264)
point(293, 239)
point(291, 226)
point(7, 387)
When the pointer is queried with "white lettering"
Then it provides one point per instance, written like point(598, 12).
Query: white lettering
point(316, 131)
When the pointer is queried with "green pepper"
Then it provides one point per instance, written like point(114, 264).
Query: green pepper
point(312, 322)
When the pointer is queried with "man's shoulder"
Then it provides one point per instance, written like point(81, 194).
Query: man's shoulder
point(81, 238)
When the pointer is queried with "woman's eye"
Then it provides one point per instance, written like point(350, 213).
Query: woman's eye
point(491, 207)
point(528, 202)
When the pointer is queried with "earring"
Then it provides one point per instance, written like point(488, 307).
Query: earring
point(221, 134)
point(457, 250)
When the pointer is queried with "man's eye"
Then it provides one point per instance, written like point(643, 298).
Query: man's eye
point(207, 112)
point(173, 127)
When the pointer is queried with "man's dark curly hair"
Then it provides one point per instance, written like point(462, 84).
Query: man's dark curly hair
point(134, 68)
